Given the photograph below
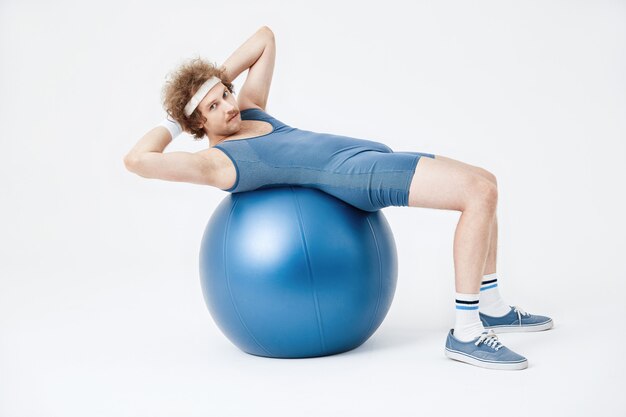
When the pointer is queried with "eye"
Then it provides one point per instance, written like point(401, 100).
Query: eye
point(225, 94)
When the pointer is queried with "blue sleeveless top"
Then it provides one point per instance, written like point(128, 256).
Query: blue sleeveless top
point(361, 172)
point(291, 156)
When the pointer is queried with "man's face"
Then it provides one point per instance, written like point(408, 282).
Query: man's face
point(218, 107)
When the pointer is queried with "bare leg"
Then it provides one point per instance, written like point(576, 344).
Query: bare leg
point(490, 265)
point(439, 184)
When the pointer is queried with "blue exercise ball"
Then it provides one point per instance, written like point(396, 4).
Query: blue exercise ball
point(293, 272)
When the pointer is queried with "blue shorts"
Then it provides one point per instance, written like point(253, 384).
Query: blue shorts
point(370, 182)
point(385, 180)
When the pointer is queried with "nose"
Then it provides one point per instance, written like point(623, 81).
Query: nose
point(230, 108)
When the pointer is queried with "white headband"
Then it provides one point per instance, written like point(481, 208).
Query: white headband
point(202, 91)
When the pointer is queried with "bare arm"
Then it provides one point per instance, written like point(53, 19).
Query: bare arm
point(248, 53)
point(155, 140)
point(188, 167)
point(148, 160)
point(258, 53)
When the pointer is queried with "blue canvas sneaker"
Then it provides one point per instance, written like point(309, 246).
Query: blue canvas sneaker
point(516, 320)
point(485, 351)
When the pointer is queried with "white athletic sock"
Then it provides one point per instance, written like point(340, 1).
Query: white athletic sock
point(468, 325)
point(491, 303)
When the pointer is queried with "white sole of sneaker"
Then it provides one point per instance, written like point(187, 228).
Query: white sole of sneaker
point(527, 328)
point(462, 357)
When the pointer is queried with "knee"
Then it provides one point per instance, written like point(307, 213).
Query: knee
point(483, 193)
point(489, 176)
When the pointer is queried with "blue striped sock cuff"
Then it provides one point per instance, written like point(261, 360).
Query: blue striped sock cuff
point(466, 305)
point(488, 284)
point(466, 301)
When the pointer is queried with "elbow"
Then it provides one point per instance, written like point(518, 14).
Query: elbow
point(136, 164)
point(267, 31)
point(131, 162)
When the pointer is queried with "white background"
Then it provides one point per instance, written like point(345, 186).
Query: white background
point(101, 311)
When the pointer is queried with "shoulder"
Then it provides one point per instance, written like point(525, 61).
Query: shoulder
point(251, 109)
point(244, 108)
point(249, 106)
point(218, 165)
point(245, 104)
point(254, 113)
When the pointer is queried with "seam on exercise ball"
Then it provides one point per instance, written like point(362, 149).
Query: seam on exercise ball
point(318, 313)
point(228, 283)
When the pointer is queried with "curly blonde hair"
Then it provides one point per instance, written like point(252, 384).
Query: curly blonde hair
point(182, 84)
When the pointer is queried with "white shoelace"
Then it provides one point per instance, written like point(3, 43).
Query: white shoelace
point(490, 339)
point(520, 313)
